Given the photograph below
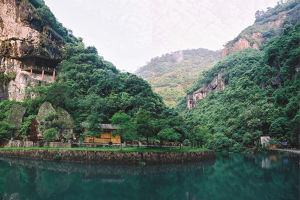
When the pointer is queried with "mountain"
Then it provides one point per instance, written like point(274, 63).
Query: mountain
point(173, 73)
point(253, 91)
point(52, 86)
point(268, 24)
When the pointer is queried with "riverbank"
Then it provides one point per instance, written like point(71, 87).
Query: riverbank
point(111, 156)
point(291, 151)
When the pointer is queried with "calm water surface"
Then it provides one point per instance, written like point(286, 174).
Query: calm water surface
point(230, 176)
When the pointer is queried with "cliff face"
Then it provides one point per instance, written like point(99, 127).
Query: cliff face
point(249, 39)
point(267, 25)
point(216, 85)
point(21, 48)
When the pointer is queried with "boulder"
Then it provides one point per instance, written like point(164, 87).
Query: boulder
point(44, 111)
point(61, 117)
point(16, 115)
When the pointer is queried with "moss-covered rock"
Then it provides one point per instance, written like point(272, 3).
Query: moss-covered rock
point(44, 111)
point(65, 118)
point(16, 115)
point(50, 117)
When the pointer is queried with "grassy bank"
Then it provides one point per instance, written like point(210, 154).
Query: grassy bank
point(125, 149)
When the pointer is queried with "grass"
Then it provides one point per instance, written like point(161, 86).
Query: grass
point(125, 149)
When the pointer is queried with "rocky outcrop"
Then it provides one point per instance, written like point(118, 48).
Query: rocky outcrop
point(217, 84)
point(47, 115)
point(113, 157)
point(16, 115)
point(241, 44)
point(21, 48)
point(250, 38)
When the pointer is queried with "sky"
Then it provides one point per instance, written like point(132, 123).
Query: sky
point(129, 33)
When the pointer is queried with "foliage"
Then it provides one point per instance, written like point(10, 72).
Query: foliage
point(168, 134)
point(6, 78)
point(144, 124)
point(5, 109)
point(261, 96)
point(6, 131)
point(173, 73)
point(127, 129)
point(26, 125)
point(49, 135)
point(269, 24)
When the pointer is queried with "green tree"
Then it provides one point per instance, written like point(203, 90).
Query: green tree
point(127, 130)
point(6, 131)
point(168, 134)
point(144, 124)
point(49, 135)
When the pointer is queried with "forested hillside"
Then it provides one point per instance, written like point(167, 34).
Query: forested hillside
point(261, 97)
point(170, 75)
point(88, 88)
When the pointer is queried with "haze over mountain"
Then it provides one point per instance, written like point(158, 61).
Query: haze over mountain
point(131, 32)
point(172, 74)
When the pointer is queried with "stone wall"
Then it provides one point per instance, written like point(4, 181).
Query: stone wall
point(113, 157)
point(20, 143)
point(60, 145)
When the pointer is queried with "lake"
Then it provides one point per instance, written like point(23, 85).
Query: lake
point(230, 176)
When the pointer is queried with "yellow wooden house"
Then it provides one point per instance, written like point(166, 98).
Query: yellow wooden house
point(106, 136)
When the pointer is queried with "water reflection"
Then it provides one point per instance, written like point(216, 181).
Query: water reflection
point(231, 176)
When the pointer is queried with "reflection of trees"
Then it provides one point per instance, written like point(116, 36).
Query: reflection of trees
point(232, 176)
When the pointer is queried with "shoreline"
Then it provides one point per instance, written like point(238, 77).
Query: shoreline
point(109, 157)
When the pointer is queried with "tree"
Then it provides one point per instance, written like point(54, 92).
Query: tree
point(144, 124)
point(127, 130)
point(168, 134)
point(200, 135)
point(93, 125)
point(49, 135)
point(6, 131)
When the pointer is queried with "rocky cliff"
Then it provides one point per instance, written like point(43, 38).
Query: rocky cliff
point(268, 24)
point(217, 84)
point(26, 48)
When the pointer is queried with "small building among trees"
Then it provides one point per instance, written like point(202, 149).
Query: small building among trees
point(106, 137)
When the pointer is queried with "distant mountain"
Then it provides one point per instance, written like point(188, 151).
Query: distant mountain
point(173, 73)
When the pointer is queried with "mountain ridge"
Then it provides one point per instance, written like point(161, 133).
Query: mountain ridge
point(173, 73)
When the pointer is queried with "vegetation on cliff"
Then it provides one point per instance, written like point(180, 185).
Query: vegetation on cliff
point(268, 24)
point(170, 75)
point(261, 97)
point(92, 90)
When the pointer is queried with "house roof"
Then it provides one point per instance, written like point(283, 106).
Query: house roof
point(104, 126)
point(109, 126)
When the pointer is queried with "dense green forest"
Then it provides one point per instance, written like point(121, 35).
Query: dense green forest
point(261, 97)
point(93, 91)
point(172, 74)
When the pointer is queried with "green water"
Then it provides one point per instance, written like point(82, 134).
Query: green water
point(230, 176)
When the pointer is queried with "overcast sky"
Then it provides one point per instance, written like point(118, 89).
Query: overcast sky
point(130, 32)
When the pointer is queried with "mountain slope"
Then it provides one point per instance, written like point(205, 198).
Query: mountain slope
point(260, 96)
point(268, 24)
point(86, 91)
point(171, 74)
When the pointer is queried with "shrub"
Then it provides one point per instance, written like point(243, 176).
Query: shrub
point(6, 131)
point(49, 135)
